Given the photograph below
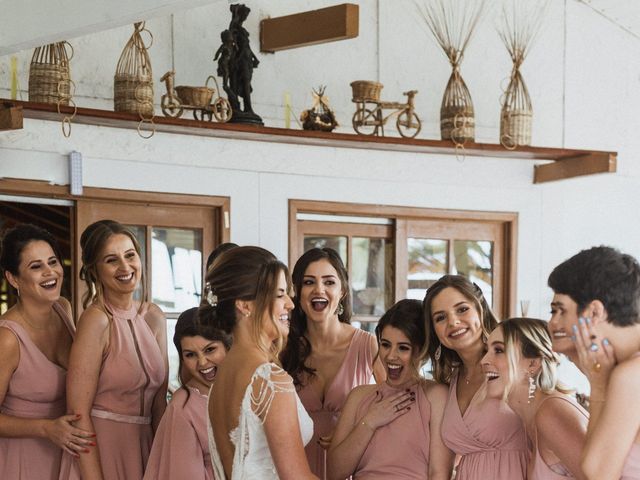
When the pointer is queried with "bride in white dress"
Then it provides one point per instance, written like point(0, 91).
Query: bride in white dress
point(257, 424)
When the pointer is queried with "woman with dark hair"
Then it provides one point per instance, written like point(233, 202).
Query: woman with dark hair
point(180, 447)
point(487, 435)
point(118, 366)
point(599, 289)
point(35, 340)
point(325, 355)
point(258, 426)
point(520, 367)
point(392, 430)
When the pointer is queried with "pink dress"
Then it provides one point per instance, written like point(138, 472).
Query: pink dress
point(400, 449)
point(181, 446)
point(489, 436)
point(132, 372)
point(558, 471)
point(36, 390)
point(631, 469)
point(356, 369)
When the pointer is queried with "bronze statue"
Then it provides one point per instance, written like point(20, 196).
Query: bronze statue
point(236, 62)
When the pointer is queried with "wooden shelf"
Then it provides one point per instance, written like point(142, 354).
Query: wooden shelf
point(565, 163)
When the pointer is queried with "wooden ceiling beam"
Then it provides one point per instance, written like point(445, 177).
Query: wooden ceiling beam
point(594, 162)
point(330, 24)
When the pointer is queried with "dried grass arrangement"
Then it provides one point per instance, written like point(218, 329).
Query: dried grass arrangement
point(133, 81)
point(452, 23)
point(50, 79)
point(520, 22)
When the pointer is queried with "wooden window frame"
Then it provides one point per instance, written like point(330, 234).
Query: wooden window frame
point(402, 217)
point(118, 197)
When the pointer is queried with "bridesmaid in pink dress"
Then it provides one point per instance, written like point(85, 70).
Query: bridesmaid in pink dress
point(521, 367)
point(35, 339)
point(180, 447)
point(325, 355)
point(484, 432)
point(392, 430)
point(118, 366)
point(599, 289)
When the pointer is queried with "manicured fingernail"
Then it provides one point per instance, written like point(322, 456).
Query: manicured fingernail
point(93, 444)
point(408, 408)
point(581, 321)
point(588, 320)
point(575, 328)
point(408, 390)
point(573, 338)
point(605, 342)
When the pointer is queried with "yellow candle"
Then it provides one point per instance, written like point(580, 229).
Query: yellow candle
point(287, 110)
point(14, 78)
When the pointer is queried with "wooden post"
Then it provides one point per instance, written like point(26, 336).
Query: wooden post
point(10, 116)
point(329, 24)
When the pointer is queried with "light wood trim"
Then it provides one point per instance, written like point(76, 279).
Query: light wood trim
point(91, 116)
point(309, 227)
point(392, 212)
point(324, 25)
point(401, 279)
point(589, 164)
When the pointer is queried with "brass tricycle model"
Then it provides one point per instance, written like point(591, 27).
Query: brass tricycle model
point(180, 98)
point(369, 118)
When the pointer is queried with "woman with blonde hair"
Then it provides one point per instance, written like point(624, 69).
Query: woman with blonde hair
point(487, 435)
point(118, 369)
point(520, 367)
point(258, 426)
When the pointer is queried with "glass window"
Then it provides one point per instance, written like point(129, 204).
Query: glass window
point(428, 260)
point(339, 244)
point(474, 260)
point(370, 271)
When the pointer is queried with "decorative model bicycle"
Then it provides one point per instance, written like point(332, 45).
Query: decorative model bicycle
point(369, 118)
point(199, 99)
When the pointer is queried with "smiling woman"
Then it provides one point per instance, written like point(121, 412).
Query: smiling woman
point(118, 366)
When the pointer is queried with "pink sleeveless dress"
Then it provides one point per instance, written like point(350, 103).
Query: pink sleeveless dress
point(36, 390)
point(181, 445)
point(400, 449)
point(132, 372)
point(356, 369)
point(631, 469)
point(490, 437)
point(539, 470)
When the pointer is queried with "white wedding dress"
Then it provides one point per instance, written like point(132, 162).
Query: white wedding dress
point(252, 458)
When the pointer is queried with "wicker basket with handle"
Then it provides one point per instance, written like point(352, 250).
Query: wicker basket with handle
point(366, 91)
point(49, 74)
point(133, 81)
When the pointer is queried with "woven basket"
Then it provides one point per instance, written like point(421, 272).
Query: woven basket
point(199, 97)
point(366, 91)
point(49, 75)
point(457, 117)
point(133, 81)
point(516, 114)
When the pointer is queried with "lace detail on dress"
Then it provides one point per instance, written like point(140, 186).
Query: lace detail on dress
point(252, 458)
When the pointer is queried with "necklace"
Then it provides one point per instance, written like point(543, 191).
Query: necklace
point(24, 317)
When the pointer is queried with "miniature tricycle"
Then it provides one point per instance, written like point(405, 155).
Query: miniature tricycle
point(198, 99)
point(369, 119)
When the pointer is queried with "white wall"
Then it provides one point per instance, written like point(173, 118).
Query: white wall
point(583, 75)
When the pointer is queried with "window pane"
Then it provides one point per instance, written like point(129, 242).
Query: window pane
point(176, 268)
point(371, 273)
point(339, 244)
point(474, 259)
point(428, 260)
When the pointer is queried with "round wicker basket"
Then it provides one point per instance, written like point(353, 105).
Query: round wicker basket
point(49, 75)
point(366, 91)
point(199, 97)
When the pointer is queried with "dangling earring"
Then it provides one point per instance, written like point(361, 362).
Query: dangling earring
point(340, 309)
point(532, 388)
point(212, 298)
point(438, 353)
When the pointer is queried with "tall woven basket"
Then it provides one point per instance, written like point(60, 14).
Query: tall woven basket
point(133, 81)
point(457, 117)
point(516, 113)
point(49, 74)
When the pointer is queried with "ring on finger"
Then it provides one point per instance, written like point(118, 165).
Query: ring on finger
point(596, 367)
point(593, 347)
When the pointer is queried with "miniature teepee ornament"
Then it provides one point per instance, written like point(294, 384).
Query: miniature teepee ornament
point(520, 22)
point(452, 23)
point(319, 116)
